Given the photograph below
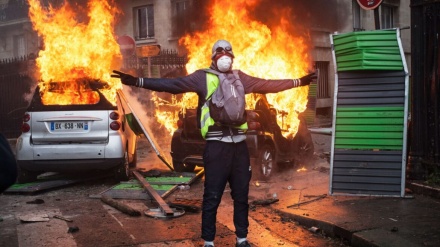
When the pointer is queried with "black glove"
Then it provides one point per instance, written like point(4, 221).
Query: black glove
point(126, 78)
point(307, 79)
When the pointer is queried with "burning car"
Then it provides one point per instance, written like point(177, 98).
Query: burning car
point(83, 132)
point(268, 148)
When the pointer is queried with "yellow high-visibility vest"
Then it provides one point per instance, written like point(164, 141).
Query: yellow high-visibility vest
point(206, 121)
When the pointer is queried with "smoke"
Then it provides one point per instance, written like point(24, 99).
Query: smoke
point(304, 15)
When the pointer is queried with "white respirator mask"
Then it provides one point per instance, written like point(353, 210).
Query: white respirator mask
point(224, 63)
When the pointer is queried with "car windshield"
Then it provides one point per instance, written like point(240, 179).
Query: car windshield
point(81, 94)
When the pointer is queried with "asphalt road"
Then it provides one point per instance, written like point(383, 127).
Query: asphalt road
point(87, 221)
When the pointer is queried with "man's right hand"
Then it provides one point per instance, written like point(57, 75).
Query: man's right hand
point(125, 78)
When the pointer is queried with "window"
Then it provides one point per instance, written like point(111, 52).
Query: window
point(19, 46)
point(144, 20)
point(180, 16)
point(323, 87)
point(386, 16)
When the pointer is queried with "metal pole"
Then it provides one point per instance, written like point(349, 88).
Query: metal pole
point(376, 18)
point(149, 67)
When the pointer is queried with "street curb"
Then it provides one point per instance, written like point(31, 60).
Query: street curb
point(328, 228)
point(421, 189)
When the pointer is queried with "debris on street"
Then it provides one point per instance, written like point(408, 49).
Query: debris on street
point(314, 229)
point(309, 201)
point(73, 229)
point(120, 206)
point(264, 202)
point(189, 205)
point(62, 218)
point(164, 207)
point(33, 218)
point(36, 201)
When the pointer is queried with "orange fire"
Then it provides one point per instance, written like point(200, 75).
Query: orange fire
point(277, 51)
point(76, 47)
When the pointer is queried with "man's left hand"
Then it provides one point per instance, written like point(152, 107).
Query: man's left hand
point(307, 79)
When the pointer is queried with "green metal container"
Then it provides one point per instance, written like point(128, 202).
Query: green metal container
point(368, 50)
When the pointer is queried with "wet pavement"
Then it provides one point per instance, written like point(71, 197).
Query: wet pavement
point(362, 220)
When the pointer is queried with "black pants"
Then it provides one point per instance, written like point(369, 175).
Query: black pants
point(226, 162)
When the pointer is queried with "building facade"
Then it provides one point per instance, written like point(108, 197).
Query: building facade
point(163, 22)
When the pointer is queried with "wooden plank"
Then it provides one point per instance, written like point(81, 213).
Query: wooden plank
point(164, 207)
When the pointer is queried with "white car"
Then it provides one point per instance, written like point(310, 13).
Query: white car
point(76, 137)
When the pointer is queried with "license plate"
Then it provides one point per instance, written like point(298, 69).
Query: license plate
point(74, 125)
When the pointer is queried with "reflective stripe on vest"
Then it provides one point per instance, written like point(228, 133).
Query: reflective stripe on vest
point(206, 121)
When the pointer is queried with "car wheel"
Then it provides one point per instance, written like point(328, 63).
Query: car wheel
point(265, 163)
point(183, 167)
point(304, 144)
point(122, 171)
point(25, 176)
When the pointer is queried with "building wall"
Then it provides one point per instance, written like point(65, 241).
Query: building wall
point(163, 29)
point(162, 23)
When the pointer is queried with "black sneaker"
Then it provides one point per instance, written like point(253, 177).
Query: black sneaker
point(243, 244)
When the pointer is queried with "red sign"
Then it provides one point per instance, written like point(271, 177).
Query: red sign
point(369, 4)
point(148, 51)
point(127, 45)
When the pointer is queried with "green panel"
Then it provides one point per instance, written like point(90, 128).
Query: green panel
point(370, 135)
point(369, 108)
point(371, 128)
point(310, 112)
point(128, 186)
point(366, 147)
point(370, 68)
point(370, 114)
point(312, 90)
point(359, 141)
point(376, 44)
point(365, 121)
point(133, 123)
point(370, 63)
point(373, 50)
point(171, 180)
point(374, 39)
point(366, 55)
point(368, 50)
point(369, 143)
point(309, 115)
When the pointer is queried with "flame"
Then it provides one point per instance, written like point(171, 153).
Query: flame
point(76, 47)
point(277, 51)
point(302, 169)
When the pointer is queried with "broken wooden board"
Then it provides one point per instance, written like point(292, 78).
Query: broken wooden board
point(33, 217)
